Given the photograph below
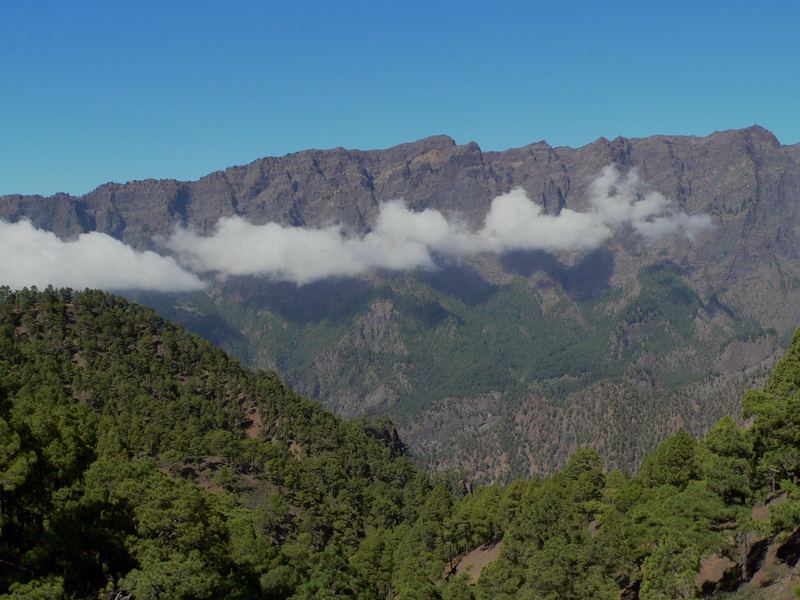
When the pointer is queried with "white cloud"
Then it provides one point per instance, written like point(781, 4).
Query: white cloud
point(514, 222)
point(623, 200)
point(400, 240)
point(405, 240)
point(31, 256)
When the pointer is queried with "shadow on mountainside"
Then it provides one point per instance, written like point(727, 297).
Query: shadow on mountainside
point(334, 300)
point(584, 280)
point(460, 282)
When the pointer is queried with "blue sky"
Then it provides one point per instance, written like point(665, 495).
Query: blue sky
point(113, 91)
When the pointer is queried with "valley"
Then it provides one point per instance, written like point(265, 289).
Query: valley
point(499, 364)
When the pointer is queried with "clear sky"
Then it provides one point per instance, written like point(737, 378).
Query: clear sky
point(113, 91)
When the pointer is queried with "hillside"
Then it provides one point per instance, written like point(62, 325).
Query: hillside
point(498, 364)
point(136, 453)
point(138, 461)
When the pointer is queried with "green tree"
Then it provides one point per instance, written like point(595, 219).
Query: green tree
point(670, 571)
point(673, 462)
point(725, 464)
point(457, 588)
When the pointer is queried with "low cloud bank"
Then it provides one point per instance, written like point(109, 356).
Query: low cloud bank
point(31, 256)
point(401, 240)
point(405, 240)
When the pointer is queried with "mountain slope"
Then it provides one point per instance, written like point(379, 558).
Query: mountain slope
point(138, 461)
point(130, 448)
point(523, 356)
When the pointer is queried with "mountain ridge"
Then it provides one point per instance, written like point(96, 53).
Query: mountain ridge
point(420, 146)
point(435, 139)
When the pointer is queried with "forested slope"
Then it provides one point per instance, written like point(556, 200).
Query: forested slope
point(138, 461)
point(125, 452)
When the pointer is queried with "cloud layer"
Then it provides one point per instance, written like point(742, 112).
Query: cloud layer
point(404, 240)
point(400, 240)
point(31, 256)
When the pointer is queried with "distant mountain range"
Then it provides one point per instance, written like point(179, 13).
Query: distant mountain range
point(500, 363)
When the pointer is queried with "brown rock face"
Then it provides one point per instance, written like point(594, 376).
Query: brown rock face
point(502, 364)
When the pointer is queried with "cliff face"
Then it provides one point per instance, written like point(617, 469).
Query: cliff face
point(499, 363)
point(726, 173)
